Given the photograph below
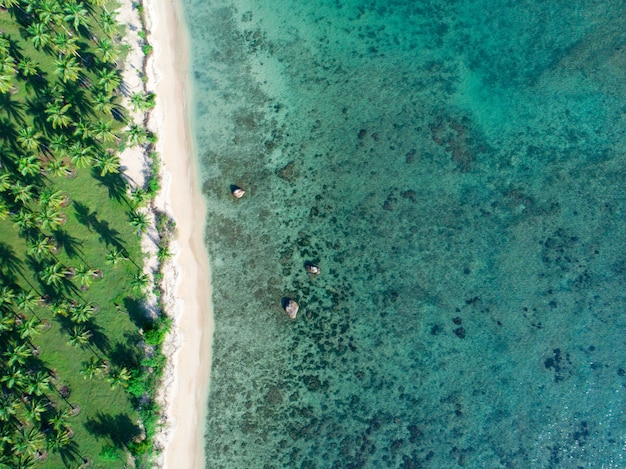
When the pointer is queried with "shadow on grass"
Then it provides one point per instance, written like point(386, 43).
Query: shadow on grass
point(119, 428)
point(123, 355)
point(107, 235)
point(136, 312)
point(84, 216)
point(99, 340)
point(70, 454)
point(115, 184)
point(10, 264)
point(69, 243)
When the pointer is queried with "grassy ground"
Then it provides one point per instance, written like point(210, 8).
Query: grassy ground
point(106, 415)
point(105, 424)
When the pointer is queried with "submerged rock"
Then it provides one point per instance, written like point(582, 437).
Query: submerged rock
point(237, 192)
point(291, 307)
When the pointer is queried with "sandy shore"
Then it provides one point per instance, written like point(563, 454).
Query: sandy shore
point(187, 277)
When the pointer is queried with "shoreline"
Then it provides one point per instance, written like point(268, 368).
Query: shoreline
point(189, 346)
point(183, 392)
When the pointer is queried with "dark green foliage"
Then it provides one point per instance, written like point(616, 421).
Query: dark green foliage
point(156, 331)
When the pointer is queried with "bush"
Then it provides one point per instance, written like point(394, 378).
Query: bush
point(109, 453)
point(155, 334)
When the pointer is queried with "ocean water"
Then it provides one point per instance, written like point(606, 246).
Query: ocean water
point(457, 170)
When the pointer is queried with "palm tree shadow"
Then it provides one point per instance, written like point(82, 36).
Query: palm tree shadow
point(84, 216)
point(119, 428)
point(70, 454)
point(115, 184)
point(13, 109)
point(108, 235)
point(136, 312)
point(7, 130)
point(10, 264)
point(99, 339)
point(69, 243)
point(124, 355)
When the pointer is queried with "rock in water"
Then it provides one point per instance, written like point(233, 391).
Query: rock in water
point(237, 191)
point(312, 268)
point(291, 308)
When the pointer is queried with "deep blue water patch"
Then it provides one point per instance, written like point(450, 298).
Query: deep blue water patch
point(456, 169)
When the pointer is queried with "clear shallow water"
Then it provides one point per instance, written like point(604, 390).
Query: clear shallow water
point(457, 170)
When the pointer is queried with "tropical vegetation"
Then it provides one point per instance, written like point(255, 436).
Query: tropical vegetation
point(80, 358)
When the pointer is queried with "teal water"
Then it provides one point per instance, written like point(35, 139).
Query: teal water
point(456, 169)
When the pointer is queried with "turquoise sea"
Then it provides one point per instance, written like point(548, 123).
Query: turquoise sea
point(457, 170)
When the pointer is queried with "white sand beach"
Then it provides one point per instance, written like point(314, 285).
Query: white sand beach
point(187, 277)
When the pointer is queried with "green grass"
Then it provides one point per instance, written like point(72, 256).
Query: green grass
point(118, 329)
point(107, 428)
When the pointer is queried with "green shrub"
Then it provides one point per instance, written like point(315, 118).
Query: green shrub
point(109, 453)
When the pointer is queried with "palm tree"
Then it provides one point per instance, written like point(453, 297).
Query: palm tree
point(58, 145)
point(28, 138)
point(5, 180)
point(82, 313)
point(39, 35)
point(68, 68)
point(27, 67)
point(34, 409)
point(27, 300)
point(140, 221)
point(53, 198)
point(108, 53)
point(38, 384)
point(138, 197)
point(103, 131)
point(29, 165)
point(57, 167)
point(39, 247)
point(85, 275)
point(163, 253)
point(58, 440)
point(81, 155)
point(8, 4)
point(109, 164)
point(9, 408)
point(25, 219)
point(53, 274)
point(17, 354)
point(50, 218)
point(29, 327)
point(4, 210)
point(79, 337)
point(75, 14)
point(137, 135)
point(66, 45)
point(49, 11)
point(83, 129)
point(13, 378)
point(7, 295)
point(103, 102)
point(109, 80)
point(116, 255)
point(57, 114)
point(6, 82)
point(139, 282)
point(108, 22)
point(59, 419)
point(22, 192)
point(118, 376)
point(29, 440)
point(94, 368)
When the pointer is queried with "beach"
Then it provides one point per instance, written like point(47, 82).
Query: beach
point(186, 278)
